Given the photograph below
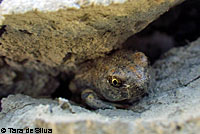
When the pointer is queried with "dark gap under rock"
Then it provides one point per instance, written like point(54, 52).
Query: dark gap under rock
point(175, 28)
point(63, 89)
point(2, 29)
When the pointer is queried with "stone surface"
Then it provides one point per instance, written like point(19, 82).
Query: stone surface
point(17, 77)
point(174, 108)
point(22, 6)
point(72, 35)
point(56, 37)
point(173, 71)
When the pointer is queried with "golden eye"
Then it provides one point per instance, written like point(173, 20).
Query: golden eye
point(116, 82)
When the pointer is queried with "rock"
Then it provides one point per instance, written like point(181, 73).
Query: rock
point(63, 32)
point(178, 71)
point(174, 108)
point(55, 37)
point(22, 111)
point(153, 45)
point(28, 77)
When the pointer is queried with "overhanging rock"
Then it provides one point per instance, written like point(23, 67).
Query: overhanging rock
point(65, 32)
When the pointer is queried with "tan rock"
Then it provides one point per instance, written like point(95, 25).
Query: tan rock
point(74, 35)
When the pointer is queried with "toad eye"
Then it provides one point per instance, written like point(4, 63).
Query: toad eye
point(114, 81)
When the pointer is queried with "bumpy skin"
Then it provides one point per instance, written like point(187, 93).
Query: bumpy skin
point(111, 81)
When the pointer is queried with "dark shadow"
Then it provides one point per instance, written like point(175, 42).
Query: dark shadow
point(175, 28)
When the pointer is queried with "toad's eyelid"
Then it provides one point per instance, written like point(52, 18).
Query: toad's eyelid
point(115, 77)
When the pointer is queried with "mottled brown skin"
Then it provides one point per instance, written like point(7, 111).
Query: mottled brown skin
point(112, 81)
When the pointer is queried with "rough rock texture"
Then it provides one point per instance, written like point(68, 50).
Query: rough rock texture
point(17, 77)
point(174, 108)
point(173, 71)
point(75, 35)
point(60, 40)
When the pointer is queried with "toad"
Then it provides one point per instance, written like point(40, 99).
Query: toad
point(116, 80)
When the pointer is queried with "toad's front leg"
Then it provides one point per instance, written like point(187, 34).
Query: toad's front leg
point(93, 101)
